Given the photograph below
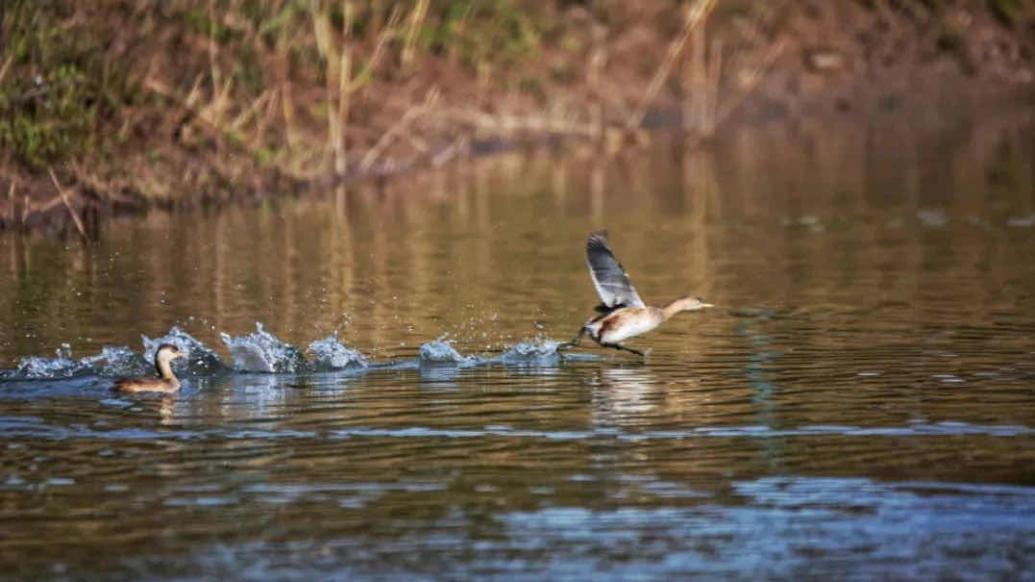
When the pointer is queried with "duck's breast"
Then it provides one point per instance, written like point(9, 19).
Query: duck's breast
point(625, 324)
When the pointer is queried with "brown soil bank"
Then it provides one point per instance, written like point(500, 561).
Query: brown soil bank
point(129, 104)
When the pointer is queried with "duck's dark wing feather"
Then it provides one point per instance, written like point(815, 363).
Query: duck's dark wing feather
point(610, 279)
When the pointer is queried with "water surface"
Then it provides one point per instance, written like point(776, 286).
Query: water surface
point(373, 388)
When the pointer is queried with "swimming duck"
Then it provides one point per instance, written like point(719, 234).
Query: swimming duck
point(621, 313)
point(166, 380)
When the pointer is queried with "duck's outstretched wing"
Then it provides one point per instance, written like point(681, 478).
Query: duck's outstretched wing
point(610, 279)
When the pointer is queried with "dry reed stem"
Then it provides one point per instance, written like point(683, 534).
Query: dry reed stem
point(337, 71)
point(697, 12)
point(379, 51)
point(207, 124)
point(420, 12)
point(714, 73)
point(213, 47)
point(262, 123)
point(694, 82)
point(252, 110)
point(287, 103)
point(341, 82)
point(458, 147)
point(411, 115)
point(594, 71)
point(194, 95)
point(6, 66)
point(93, 182)
point(216, 109)
point(701, 86)
point(504, 123)
point(755, 76)
point(49, 205)
point(71, 211)
point(344, 93)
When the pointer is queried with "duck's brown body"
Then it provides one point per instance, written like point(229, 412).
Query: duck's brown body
point(166, 381)
point(134, 385)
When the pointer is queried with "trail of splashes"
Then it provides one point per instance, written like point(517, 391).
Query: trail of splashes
point(113, 360)
point(535, 352)
point(119, 360)
point(263, 352)
point(62, 365)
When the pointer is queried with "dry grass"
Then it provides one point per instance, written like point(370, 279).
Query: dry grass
point(230, 97)
point(695, 16)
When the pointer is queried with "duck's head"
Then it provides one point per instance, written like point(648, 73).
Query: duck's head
point(690, 303)
point(167, 353)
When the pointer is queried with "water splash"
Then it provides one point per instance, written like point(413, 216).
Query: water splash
point(330, 354)
point(935, 217)
point(263, 352)
point(1021, 221)
point(62, 365)
point(541, 352)
point(118, 361)
point(440, 352)
point(200, 359)
point(113, 360)
point(535, 351)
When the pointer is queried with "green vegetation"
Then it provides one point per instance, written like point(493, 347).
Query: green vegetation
point(482, 31)
point(1013, 12)
point(274, 81)
point(52, 88)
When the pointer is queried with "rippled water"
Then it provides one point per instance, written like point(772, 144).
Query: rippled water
point(373, 387)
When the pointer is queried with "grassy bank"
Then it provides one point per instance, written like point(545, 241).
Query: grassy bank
point(129, 104)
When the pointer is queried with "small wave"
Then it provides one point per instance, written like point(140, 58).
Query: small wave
point(330, 354)
point(36, 427)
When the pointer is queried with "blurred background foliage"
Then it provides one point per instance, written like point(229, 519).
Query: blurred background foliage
point(194, 99)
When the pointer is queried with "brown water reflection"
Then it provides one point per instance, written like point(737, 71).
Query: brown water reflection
point(811, 218)
point(862, 402)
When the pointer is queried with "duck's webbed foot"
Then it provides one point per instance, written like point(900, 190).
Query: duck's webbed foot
point(626, 348)
point(574, 341)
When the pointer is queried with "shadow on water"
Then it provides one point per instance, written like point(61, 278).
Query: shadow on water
point(860, 403)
